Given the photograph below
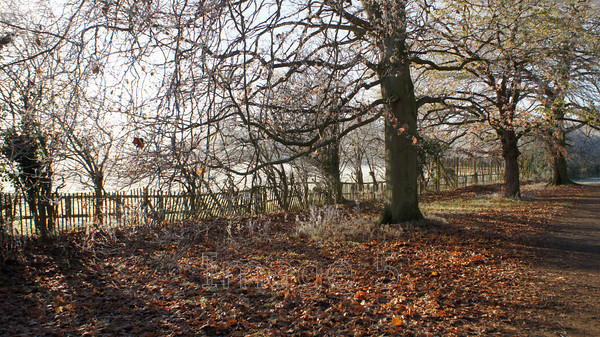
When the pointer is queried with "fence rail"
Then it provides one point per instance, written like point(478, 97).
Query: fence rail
point(81, 210)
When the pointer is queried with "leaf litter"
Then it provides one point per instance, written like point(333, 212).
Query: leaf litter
point(463, 273)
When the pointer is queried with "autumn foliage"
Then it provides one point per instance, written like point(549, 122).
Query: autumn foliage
point(463, 272)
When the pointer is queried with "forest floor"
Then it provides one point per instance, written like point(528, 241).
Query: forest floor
point(480, 265)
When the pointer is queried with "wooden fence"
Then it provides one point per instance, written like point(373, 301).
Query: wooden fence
point(78, 210)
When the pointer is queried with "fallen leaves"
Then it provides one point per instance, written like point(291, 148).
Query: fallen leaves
point(465, 277)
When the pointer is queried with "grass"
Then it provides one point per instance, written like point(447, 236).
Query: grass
point(327, 271)
point(472, 205)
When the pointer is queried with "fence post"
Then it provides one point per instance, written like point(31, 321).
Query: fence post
point(438, 175)
point(9, 213)
point(2, 225)
point(68, 211)
point(145, 201)
point(458, 175)
point(118, 206)
point(475, 177)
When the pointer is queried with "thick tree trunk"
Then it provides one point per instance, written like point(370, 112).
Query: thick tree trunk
point(32, 202)
point(401, 196)
point(329, 159)
point(50, 216)
point(330, 162)
point(510, 152)
point(40, 206)
point(560, 174)
point(393, 69)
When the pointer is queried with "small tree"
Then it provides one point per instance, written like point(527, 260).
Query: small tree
point(28, 147)
point(364, 146)
point(33, 80)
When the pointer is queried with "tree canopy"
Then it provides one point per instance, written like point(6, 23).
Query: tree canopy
point(215, 92)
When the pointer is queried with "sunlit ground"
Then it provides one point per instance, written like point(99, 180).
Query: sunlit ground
point(588, 181)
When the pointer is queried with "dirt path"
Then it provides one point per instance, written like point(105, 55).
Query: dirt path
point(493, 267)
point(570, 268)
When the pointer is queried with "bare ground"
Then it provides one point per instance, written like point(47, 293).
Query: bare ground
point(490, 268)
point(569, 270)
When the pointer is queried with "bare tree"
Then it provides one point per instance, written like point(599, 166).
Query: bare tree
point(567, 76)
point(29, 145)
point(219, 85)
point(365, 147)
point(495, 44)
point(32, 82)
point(234, 57)
point(92, 137)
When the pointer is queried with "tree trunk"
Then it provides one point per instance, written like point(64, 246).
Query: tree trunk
point(372, 174)
point(359, 177)
point(99, 199)
point(34, 210)
point(331, 169)
point(374, 180)
point(510, 153)
point(401, 196)
point(557, 146)
point(329, 158)
point(47, 197)
point(560, 174)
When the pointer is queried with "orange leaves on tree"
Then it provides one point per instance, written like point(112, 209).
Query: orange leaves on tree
point(138, 142)
point(201, 172)
point(402, 129)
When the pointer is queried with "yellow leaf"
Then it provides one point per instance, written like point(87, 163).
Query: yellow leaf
point(201, 173)
point(360, 296)
point(397, 321)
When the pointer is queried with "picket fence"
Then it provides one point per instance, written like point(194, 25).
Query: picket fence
point(78, 211)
